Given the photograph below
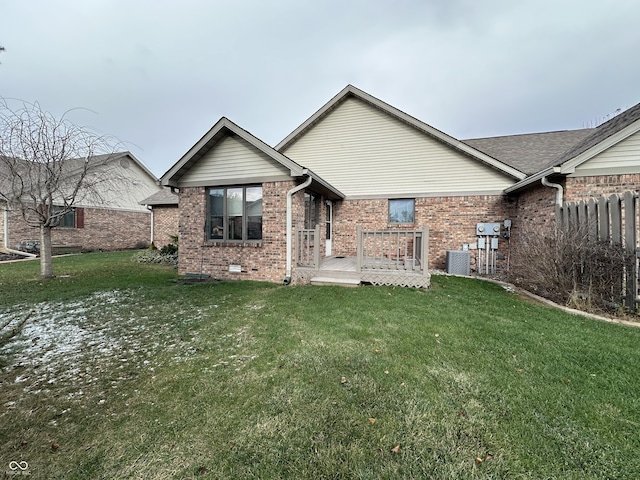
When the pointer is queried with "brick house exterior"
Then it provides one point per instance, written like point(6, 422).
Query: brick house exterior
point(116, 222)
point(258, 260)
point(451, 219)
point(165, 216)
point(360, 155)
point(102, 229)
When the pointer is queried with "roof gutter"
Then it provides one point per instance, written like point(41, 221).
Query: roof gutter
point(521, 185)
point(302, 186)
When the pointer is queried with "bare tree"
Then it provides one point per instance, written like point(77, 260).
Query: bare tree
point(48, 165)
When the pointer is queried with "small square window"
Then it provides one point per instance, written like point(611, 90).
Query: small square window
point(401, 211)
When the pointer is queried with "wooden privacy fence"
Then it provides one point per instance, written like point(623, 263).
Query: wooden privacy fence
point(611, 219)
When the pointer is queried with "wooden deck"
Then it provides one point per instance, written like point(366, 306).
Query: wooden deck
point(384, 257)
point(344, 271)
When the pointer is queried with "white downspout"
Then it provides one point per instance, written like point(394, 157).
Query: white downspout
point(287, 278)
point(6, 238)
point(559, 193)
point(150, 208)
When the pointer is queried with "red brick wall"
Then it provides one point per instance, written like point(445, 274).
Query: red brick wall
point(451, 221)
point(265, 260)
point(584, 188)
point(165, 224)
point(536, 206)
point(103, 230)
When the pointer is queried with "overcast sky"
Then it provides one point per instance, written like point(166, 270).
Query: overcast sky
point(159, 74)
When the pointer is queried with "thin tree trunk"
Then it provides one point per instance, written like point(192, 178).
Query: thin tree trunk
point(46, 265)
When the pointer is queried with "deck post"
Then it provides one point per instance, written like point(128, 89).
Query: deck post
point(359, 248)
point(424, 259)
point(316, 247)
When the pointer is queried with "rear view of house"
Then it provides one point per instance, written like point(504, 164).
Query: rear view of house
point(372, 194)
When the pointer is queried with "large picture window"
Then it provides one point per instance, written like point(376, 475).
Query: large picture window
point(235, 213)
point(401, 211)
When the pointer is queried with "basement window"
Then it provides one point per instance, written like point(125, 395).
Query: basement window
point(235, 213)
point(402, 210)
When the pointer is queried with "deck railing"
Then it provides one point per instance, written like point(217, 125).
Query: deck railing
point(404, 250)
point(377, 250)
point(308, 248)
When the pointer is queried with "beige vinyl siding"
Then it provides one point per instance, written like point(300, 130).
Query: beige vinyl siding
point(124, 188)
point(363, 151)
point(621, 158)
point(231, 160)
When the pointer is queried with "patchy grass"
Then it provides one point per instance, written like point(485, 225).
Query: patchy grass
point(123, 372)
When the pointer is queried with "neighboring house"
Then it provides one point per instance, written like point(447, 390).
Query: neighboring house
point(374, 178)
point(114, 221)
point(164, 216)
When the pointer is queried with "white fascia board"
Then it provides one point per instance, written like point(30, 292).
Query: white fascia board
point(168, 179)
point(327, 106)
point(293, 167)
point(569, 166)
point(535, 178)
point(324, 184)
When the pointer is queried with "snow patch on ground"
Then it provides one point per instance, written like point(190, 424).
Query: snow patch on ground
point(77, 343)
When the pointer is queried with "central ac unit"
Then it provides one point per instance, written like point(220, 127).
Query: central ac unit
point(458, 262)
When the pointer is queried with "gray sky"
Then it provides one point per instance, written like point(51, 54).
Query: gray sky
point(159, 74)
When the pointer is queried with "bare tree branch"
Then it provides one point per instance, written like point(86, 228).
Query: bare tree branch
point(49, 165)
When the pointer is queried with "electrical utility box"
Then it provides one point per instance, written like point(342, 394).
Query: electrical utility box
point(458, 262)
point(487, 229)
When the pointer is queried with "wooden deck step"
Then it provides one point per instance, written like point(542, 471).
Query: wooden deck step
point(345, 282)
point(330, 277)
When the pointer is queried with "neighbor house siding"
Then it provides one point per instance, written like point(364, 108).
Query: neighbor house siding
point(623, 157)
point(363, 151)
point(233, 160)
point(125, 184)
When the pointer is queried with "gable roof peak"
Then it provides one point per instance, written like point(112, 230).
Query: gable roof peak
point(403, 117)
point(220, 130)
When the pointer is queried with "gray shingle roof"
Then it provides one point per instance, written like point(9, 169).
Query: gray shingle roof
point(163, 197)
point(598, 134)
point(530, 152)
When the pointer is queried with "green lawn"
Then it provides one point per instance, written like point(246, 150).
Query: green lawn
point(126, 373)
